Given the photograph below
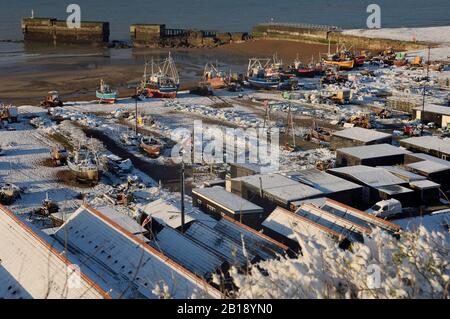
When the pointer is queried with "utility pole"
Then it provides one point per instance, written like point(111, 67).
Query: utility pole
point(136, 112)
point(424, 92)
point(182, 197)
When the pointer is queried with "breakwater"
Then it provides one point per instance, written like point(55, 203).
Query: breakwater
point(158, 35)
point(57, 31)
point(323, 34)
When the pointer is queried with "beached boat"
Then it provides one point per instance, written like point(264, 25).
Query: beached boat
point(342, 64)
point(52, 100)
point(105, 94)
point(302, 71)
point(83, 165)
point(163, 82)
point(260, 75)
point(151, 146)
point(8, 193)
point(214, 77)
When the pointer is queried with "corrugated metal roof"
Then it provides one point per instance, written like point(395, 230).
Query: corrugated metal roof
point(322, 181)
point(186, 252)
point(427, 157)
point(371, 176)
point(35, 268)
point(123, 220)
point(268, 181)
point(361, 134)
point(227, 200)
point(395, 189)
point(373, 151)
point(425, 184)
point(126, 256)
point(215, 241)
point(258, 244)
point(356, 216)
point(428, 143)
point(290, 224)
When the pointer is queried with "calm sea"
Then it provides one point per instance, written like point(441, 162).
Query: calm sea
point(226, 15)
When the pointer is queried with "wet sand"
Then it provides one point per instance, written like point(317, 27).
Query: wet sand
point(76, 72)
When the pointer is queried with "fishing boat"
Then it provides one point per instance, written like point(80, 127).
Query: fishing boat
point(342, 64)
point(300, 70)
point(163, 82)
point(105, 94)
point(214, 77)
point(260, 75)
point(83, 165)
point(151, 146)
point(8, 193)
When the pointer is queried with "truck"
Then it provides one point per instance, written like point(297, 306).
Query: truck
point(386, 208)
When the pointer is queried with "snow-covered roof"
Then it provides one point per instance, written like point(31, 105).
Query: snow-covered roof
point(434, 108)
point(186, 252)
point(425, 184)
point(356, 216)
point(229, 201)
point(428, 143)
point(403, 173)
point(371, 176)
point(280, 186)
point(124, 221)
point(322, 181)
point(289, 224)
point(361, 134)
point(428, 167)
point(32, 268)
point(373, 151)
point(427, 157)
point(168, 212)
point(128, 257)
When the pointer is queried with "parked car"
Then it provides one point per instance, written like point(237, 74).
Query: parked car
point(386, 208)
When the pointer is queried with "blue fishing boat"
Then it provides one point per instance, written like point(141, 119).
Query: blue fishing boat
point(105, 94)
point(261, 74)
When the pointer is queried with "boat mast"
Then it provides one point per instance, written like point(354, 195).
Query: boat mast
point(424, 88)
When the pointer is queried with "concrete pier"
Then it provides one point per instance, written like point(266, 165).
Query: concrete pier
point(157, 35)
point(323, 34)
point(57, 31)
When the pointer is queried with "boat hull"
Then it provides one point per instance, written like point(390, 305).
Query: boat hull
point(106, 97)
point(345, 65)
point(262, 83)
point(151, 150)
point(216, 83)
point(87, 174)
point(305, 73)
point(165, 93)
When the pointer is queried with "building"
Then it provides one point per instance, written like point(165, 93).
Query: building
point(331, 186)
point(217, 201)
point(370, 155)
point(271, 190)
point(433, 168)
point(358, 136)
point(126, 260)
point(32, 266)
point(330, 218)
point(224, 237)
point(431, 145)
point(428, 192)
point(434, 113)
point(378, 184)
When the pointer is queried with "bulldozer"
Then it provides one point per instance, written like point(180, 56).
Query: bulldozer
point(52, 100)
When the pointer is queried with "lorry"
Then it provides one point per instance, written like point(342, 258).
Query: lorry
point(386, 208)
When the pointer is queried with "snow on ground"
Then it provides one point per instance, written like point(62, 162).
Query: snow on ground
point(426, 34)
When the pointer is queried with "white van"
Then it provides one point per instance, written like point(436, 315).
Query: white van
point(386, 208)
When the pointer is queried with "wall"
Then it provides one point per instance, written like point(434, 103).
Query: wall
point(57, 32)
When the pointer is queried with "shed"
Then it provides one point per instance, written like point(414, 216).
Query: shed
point(434, 113)
point(218, 202)
point(370, 155)
point(431, 145)
point(272, 190)
point(330, 185)
point(358, 136)
point(427, 191)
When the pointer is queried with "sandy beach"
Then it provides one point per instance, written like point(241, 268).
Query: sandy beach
point(76, 72)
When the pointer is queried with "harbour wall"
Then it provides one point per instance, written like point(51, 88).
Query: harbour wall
point(157, 35)
point(57, 31)
point(322, 34)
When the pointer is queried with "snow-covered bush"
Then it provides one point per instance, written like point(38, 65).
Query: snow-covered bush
point(414, 266)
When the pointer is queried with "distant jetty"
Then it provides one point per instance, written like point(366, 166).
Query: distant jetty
point(323, 34)
point(57, 31)
point(158, 35)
